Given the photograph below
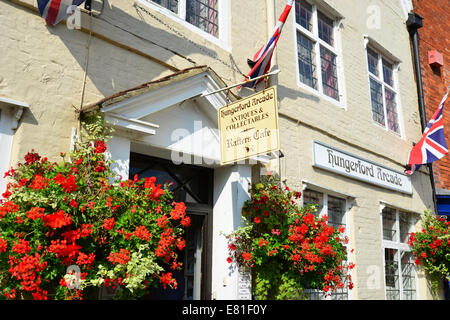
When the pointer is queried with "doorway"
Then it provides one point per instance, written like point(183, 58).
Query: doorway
point(192, 185)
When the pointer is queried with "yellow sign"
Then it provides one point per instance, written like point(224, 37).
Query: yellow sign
point(249, 127)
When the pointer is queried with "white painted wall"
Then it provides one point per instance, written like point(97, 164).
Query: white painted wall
point(231, 185)
point(118, 149)
point(6, 137)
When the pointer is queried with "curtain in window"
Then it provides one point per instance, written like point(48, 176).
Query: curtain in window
point(329, 73)
point(391, 110)
point(203, 14)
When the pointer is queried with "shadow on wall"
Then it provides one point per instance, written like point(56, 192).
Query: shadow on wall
point(111, 69)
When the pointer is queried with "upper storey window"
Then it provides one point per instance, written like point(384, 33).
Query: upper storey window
point(317, 52)
point(383, 92)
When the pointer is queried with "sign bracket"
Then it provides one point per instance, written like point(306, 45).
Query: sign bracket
point(241, 83)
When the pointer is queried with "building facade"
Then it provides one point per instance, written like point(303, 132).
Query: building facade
point(347, 107)
point(433, 52)
point(434, 73)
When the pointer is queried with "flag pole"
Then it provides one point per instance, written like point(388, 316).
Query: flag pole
point(241, 83)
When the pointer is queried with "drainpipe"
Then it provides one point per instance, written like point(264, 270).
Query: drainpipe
point(414, 23)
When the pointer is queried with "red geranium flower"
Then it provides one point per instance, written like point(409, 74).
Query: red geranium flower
point(99, 146)
point(109, 224)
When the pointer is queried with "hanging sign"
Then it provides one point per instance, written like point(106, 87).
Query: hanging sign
point(249, 127)
point(331, 159)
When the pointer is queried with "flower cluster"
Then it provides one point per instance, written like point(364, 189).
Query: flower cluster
point(287, 247)
point(431, 247)
point(59, 215)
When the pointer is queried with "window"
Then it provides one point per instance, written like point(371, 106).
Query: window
point(336, 210)
point(201, 13)
point(399, 268)
point(383, 95)
point(317, 54)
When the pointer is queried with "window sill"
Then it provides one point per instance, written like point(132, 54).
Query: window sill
point(396, 134)
point(339, 104)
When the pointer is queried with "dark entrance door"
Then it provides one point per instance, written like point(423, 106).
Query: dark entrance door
point(193, 186)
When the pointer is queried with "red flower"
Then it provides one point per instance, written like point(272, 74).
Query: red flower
point(229, 260)
point(303, 229)
point(247, 256)
point(73, 203)
point(3, 245)
point(86, 230)
point(167, 280)
point(35, 213)
point(9, 173)
point(39, 182)
point(308, 219)
point(178, 211)
point(181, 243)
point(109, 224)
point(31, 157)
point(257, 220)
point(68, 184)
point(186, 221)
point(21, 247)
point(85, 259)
point(57, 220)
point(121, 257)
point(162, 221)
point(142, 233)
point(99, 146)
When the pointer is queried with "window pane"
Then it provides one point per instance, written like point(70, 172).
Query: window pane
point(391, 274)
point(406, 221)
point(376, 98)
point(372, 60)
point(408, 275)
point(329, 73)
point(303, 14)
point(391, 110)
point(336, 212)
point(387, 73)
point(389, 228)
point(306, 58)
point(313, 197)
point(172, 5)
point(203, 14)
point(325, 28)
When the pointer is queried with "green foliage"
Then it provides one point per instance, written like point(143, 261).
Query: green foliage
point(73, 213)
point(287, 247)
point(431, 247)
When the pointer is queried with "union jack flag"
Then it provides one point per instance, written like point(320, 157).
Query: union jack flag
point(261, 61)
point(53, 11)
point(432, 146)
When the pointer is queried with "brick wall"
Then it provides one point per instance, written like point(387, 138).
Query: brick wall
point(433, 36)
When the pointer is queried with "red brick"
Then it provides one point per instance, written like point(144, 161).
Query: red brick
point(433, 36)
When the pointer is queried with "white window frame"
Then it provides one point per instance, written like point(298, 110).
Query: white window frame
point(180, 17)
point(324, 211)
point(381, 55)
point(11, 112)
point(397, 245)
point(336, 50)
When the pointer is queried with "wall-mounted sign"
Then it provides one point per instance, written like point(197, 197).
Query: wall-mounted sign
point(249, 127)
point(341, 162)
